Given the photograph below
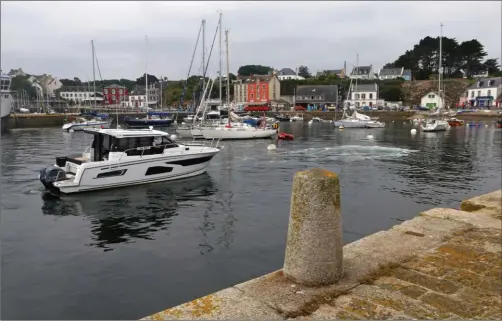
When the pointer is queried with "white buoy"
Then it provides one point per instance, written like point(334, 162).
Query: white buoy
point(271, 147)
point(370, 137)
point(413, 131)
point(310, 122)
point(486, 126)
point(71, 131)
point(341, 127)
point(173, 137)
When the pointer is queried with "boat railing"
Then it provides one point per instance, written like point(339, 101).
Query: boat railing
point(164, 147)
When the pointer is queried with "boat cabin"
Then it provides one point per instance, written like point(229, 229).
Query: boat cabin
point(111, 144)
point(5, 81)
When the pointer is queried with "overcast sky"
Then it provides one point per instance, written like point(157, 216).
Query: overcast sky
point(54, 37)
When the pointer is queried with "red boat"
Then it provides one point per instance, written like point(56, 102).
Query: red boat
point(285, 136)
point(454, 122)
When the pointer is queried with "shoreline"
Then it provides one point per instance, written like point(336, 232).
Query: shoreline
point(15, 121)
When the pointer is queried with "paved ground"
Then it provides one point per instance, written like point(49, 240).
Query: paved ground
point(443, 264)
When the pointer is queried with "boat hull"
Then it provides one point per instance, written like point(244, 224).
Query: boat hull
point(5, 109)
point(350, 124)
point(224, 133)
point(147, 122)
point(438, 126)
point(136, 173)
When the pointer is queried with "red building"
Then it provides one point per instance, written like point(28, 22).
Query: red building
point(115, 94)
point(261, 90)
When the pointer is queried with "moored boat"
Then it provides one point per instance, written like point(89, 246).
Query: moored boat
point(155, 119)
point(454, 122)
point(119, 157)
point(81, 123)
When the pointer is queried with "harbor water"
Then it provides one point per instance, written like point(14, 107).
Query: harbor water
point(129, 252)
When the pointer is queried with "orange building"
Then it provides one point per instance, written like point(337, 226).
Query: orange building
point(263, 88)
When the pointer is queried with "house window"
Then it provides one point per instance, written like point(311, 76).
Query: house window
point(363, 96)
point(431, 96)
point(358, 104)
point(120, 91)
point(357, 96)
point(264, 87)
point(252, 96)
point(106, 91)
point(312, 97)
point(472, 94)
point(479, 93)
point(489, 92)
point(113, 91)
point(371, 96)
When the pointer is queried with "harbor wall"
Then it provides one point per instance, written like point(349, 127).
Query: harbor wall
point(443, 264)
point(57, 120)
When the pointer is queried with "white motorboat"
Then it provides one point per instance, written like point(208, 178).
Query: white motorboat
point(190, 119)
point(237, 131)
point(315, 120)
point(296, 118)
point(82, 123)
point(124, 157)
point(5, 100)
point(435, 125)
point(375, 124)
point(355, 120)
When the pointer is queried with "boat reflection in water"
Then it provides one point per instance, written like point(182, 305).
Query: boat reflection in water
point(136, 212)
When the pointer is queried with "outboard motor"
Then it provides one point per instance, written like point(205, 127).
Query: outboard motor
point(51, 174)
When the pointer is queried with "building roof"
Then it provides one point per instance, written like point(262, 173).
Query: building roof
point(390, 71)
point(487, 83)
point(287, 72)
point(432, 92)
point(361, 70)
point(123, 133)
point(364, 88)
point(329, 72)
point(114, 86)
point(330, 92)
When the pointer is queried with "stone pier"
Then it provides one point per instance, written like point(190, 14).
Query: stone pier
point(443, 264)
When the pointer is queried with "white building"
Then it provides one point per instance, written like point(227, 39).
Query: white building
point(288, 74)
point(362, 72)
point(431, 100)
point(240, 91)
point(137, 100)
point(364, 95)
point(80, 95)
point(484, 92)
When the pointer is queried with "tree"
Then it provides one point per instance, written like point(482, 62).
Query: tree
point(77, 81)
point(491, 65)
point(304, 72)
point(390, 93)
point(21, 83)
point(423, 59)
point(151, 80)
point(249, 70)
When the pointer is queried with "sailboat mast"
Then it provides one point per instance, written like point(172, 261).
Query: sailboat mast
point(440, 68)
point(228, 70)
point(203, 53)
point(161, 87)
point(93, 72)
point(221, 53)
point(146, 72)
point(357, 75)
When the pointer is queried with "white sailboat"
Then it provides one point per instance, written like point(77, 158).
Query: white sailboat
point(435, 123)
point(235, 130)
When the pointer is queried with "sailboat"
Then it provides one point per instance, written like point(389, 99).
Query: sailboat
point(97, 120)
point(236, 130)
point(435, 123)
point(355, 119)
point(155, 119)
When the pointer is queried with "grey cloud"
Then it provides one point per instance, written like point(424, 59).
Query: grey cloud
point(281, 34)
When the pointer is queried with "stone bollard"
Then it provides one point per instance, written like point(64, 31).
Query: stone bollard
point(314, 246)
